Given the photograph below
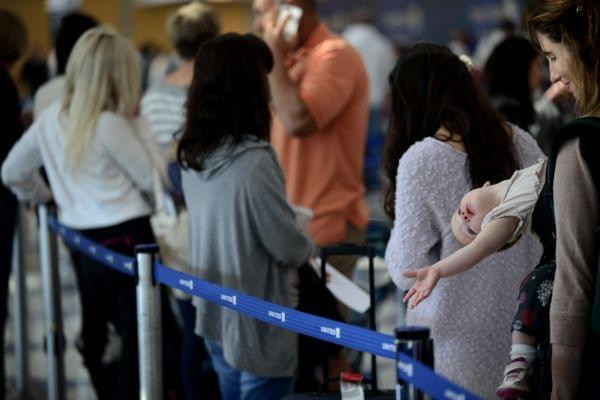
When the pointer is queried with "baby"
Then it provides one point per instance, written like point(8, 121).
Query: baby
point(489, 219)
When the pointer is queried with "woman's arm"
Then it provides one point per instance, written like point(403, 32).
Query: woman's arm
point(271, 216)
point(495, 235)
point(577, 217)
point(415, 236)
point(20, 170)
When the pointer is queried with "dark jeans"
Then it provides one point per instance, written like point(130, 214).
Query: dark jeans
point(239, 385)
point(8, 220)
point(109, 296)
point(198, 377)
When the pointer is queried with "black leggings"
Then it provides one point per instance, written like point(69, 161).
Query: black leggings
point(109, 296)
point(533, 304)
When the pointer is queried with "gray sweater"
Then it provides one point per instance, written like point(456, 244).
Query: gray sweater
point(243, 236)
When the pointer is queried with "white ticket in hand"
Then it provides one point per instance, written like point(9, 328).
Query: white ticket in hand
point(343, 288)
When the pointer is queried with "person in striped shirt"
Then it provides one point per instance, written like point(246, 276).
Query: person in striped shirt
point(163, 105)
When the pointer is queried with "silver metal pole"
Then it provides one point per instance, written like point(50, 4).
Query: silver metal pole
point(52, 308)
point(149, 325)
point(20, 312)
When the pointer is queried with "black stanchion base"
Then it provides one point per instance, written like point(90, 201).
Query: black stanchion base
point(381, 395)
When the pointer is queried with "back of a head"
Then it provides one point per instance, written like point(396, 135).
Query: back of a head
point(507, 70)
point(576, 24)
point(228, 98)
point(190, 26)
point(72, 26)
point(103, 74)
point(430, 88)
point(13, 38)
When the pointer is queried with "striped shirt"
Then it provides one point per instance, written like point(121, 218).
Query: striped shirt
point(163, 105)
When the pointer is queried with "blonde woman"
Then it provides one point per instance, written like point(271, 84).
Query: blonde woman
point(99, 162)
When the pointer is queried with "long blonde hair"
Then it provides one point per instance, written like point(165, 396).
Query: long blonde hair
point(103, 74)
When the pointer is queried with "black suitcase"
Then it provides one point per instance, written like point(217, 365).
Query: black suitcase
point(317, 300)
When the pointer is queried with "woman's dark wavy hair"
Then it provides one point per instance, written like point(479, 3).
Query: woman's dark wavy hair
point(431, 88)
point(228, 98)
point(507, 74)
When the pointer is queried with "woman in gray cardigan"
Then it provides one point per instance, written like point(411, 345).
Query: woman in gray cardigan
point(242, 230)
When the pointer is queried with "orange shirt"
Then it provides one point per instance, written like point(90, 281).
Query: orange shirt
point(324, 170)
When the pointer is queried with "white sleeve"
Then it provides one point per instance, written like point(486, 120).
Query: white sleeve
point(20, 170)
point(131, 148)
point(415, 237)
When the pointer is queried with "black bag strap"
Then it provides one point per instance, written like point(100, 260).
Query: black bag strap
point(588, 130)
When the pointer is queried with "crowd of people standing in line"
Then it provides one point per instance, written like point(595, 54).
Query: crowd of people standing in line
point(245, 127)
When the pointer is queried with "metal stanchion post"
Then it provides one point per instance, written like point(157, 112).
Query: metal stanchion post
point(372, 323)
point(52, 307)
point(149, 324)
point(20, 311)
point(414, 342)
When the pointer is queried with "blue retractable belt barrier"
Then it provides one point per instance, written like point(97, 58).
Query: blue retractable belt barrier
point(296, 321)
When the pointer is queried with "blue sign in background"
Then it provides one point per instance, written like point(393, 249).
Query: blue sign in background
point(405, 21)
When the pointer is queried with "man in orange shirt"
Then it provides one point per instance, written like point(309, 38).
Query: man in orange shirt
point(320, 96)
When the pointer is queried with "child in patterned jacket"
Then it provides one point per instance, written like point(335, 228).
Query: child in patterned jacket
point(489, 219)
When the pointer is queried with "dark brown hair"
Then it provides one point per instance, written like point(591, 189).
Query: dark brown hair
point(431, 88)
point(72, 26)
point(13, 37)
point(507, 76)
point(576, 25)
point(228, 98)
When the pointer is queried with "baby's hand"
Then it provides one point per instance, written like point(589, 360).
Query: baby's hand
point(427, 278)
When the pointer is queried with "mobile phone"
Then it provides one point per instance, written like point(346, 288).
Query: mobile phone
point(290, 30)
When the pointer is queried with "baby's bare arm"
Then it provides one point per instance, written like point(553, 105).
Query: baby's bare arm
point(495, 235)
point(488, 241)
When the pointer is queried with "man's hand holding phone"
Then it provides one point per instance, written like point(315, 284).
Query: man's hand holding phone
point(292, 15)
point(281, 29)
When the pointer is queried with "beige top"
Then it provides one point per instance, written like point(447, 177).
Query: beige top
point(577, 216)
point(520, 193)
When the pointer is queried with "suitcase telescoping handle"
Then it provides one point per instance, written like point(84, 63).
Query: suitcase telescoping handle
point(351, 249)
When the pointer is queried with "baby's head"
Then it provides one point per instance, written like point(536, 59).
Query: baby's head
point(474, 206)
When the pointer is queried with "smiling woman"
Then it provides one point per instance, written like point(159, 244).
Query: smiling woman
point(561, 62)
point(568, 33)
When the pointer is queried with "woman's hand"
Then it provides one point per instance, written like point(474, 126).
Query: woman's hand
point(426, 278)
